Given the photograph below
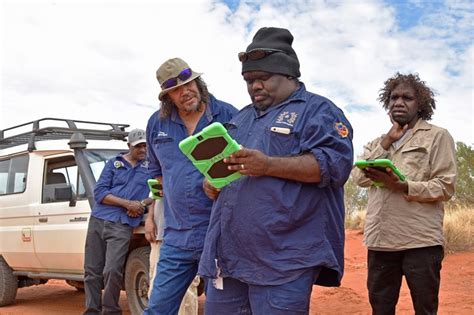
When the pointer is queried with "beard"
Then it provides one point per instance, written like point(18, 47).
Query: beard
point(262, 104)
point(261, 107)
point(195, 106)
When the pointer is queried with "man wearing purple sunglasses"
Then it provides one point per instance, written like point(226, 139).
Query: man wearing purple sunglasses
point(186, 108)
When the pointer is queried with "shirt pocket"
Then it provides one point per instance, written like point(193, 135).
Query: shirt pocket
point(238, 134)
point(166, 149)
point(120, 177)
point(415, 163)
point(280, 142)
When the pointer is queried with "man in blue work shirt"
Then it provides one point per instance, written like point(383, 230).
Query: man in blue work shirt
point(186, 108)
point(280, 229)
point(121, 195)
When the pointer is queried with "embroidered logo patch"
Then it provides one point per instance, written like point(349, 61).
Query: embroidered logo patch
point(287, 118)
point(341, 129)
point(118, 164)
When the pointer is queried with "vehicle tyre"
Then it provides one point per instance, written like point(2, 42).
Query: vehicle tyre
point(137, 279)
point(8, 284)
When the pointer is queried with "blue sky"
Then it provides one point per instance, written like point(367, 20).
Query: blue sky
point(96, 60)
point(410, 13)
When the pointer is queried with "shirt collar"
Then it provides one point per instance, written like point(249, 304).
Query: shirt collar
point(422, 125)
point(120, 157)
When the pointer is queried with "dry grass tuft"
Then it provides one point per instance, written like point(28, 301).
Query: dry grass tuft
point(459, 229)
point(355, 220)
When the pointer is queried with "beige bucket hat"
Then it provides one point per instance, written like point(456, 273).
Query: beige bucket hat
point(174, 73)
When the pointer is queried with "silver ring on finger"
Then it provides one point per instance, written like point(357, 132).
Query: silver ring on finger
point(242, 166)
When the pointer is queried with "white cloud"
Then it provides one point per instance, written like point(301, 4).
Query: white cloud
point(97, 61)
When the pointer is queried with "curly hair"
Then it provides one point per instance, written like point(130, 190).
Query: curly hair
point(424, 95)
point(167, 104)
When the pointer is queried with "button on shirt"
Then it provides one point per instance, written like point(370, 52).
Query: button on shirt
point(122, 180)
point(187, 208)
point(265, 230)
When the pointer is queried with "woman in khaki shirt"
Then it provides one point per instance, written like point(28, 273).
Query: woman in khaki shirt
point(404, 222)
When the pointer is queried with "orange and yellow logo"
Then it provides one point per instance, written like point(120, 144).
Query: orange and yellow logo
point(341, 129)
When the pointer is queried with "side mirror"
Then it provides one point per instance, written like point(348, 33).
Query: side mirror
point(64, 194)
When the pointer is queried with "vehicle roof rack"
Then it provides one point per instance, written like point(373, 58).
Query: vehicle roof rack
point(36, 132)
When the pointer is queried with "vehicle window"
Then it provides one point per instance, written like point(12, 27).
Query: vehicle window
point(62, 175)
point(97, 168)
point(13, 175)
point(4, 168)
point(98, 158)
point(76, 181)
point(61, 180)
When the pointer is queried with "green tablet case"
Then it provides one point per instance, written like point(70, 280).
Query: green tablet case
point(156, 188)
point(207, 150)
point(380, 163)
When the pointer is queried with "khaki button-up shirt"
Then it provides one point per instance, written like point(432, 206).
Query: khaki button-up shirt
point(396, 221)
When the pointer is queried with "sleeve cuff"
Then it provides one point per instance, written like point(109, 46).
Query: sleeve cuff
point(323, 167)
point(414, 191)
point(155, 173)
point(101, 196)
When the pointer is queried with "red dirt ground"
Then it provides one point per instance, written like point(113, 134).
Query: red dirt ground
point(456, 296)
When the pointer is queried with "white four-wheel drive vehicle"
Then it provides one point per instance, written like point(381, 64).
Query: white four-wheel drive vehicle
point(48, 169)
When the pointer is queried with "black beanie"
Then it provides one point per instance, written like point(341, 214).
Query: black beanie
point(282, 63)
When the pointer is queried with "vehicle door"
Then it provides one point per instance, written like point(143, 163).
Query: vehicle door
point(16, 217)
point(62, 217)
